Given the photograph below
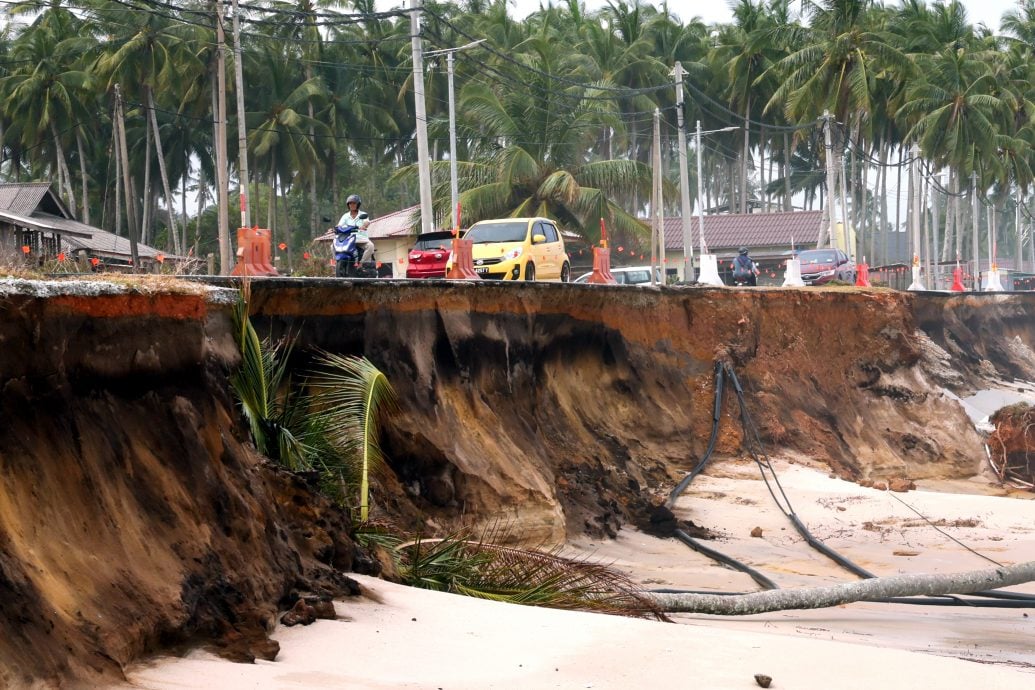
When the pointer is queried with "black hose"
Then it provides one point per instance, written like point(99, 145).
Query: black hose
point(1004, 599)
point(716, 416)
point(727, 560)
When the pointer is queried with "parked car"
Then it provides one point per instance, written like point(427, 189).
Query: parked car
point(429, 255)
point(519, 249)
point(820, 266)
point(628, 275)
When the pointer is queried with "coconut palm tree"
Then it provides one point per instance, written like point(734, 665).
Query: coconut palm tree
point(44, 90)
point(158, 55)
point(530, 155)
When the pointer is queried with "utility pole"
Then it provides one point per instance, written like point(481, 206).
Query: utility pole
point(975, 247)
point(423, 162)
point(917, 195)
point(222, 181)
point(827, 235)
point(684, 180)
point(454, 187)
point(131, 224)
point(454, 184)
point(657, 250)
point(242, 131)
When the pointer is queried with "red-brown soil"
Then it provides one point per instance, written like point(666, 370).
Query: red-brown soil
point(134, 516)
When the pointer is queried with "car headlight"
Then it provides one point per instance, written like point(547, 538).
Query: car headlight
point(827, 273)
point(512, 254)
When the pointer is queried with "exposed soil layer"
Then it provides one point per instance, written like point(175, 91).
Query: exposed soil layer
point(132, 517)
point(568, 409)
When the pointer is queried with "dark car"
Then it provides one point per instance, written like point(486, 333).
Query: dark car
point(820, 266)
point(429, 255)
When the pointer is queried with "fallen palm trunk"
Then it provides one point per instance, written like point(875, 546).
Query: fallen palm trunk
point(834, 595)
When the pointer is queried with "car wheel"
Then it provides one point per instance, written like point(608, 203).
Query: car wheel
point(566, 273)
point(530, 271)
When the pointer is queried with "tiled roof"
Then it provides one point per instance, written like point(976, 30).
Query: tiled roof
point(22, 197)
point(104, 243)
point(732, 230)
point(47, 222)
point(396, 224)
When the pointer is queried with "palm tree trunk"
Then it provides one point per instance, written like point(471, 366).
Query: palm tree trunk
point(873, 589)
point(762, 195)
point(201, 209)
point(174, 232)
point(82, 173)
point(788, 204)
point(145, 224)
point(63, 166)
point(744, 157)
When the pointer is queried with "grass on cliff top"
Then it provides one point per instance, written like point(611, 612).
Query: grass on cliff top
point(146, 283)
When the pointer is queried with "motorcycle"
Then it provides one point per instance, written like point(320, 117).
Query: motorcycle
point(347, 254)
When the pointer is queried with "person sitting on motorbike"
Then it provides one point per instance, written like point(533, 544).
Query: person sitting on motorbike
point(354, 218)
point(745, 271)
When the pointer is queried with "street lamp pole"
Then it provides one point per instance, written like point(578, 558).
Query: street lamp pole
point(684, 184)
point(700, 192)
point(427, 219)
point(709, 265)
point(454, 187)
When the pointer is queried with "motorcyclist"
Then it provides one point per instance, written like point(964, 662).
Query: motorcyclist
point(745, 271)
point(354, 218)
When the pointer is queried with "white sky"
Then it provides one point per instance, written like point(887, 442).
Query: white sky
point(979, 11)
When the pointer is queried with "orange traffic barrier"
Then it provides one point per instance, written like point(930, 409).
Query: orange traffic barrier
point(253, 253)
point(957, 280)
point(862, 275)
point(462, 261)
point(602, 267)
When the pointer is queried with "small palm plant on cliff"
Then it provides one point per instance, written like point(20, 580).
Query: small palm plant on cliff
point(327, 423)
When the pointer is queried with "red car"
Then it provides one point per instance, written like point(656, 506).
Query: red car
point(821, 266)
point(429, 255)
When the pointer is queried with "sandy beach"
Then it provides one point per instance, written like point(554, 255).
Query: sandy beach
point(399, 637)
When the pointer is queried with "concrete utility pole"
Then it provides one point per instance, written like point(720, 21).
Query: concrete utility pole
point(975, 246)
point(700, 194)
point(831, 230)
point(657, 250)
point(684, 179)
point(454, 187)
point(427, 217)
point(242, 131)
point(222, 177)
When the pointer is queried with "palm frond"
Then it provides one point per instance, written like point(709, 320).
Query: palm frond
point(488, 570)
point(351, 395)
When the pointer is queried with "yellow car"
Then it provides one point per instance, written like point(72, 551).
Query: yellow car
point(519, 249)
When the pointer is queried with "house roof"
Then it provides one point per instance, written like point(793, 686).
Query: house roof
point(34, 205)
point(732, 230)
point(398, 224)
point(49, 223)
point(22, 197)
point(104, 243)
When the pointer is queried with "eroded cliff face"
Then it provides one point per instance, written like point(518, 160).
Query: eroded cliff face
point(561, 409)
point(135, 516)
point(132, 516)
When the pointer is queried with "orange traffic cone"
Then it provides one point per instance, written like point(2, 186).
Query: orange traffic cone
point(862, 275)
point(957, 279)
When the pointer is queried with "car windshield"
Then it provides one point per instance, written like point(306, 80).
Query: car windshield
point(818, 257)
point(498, 232)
